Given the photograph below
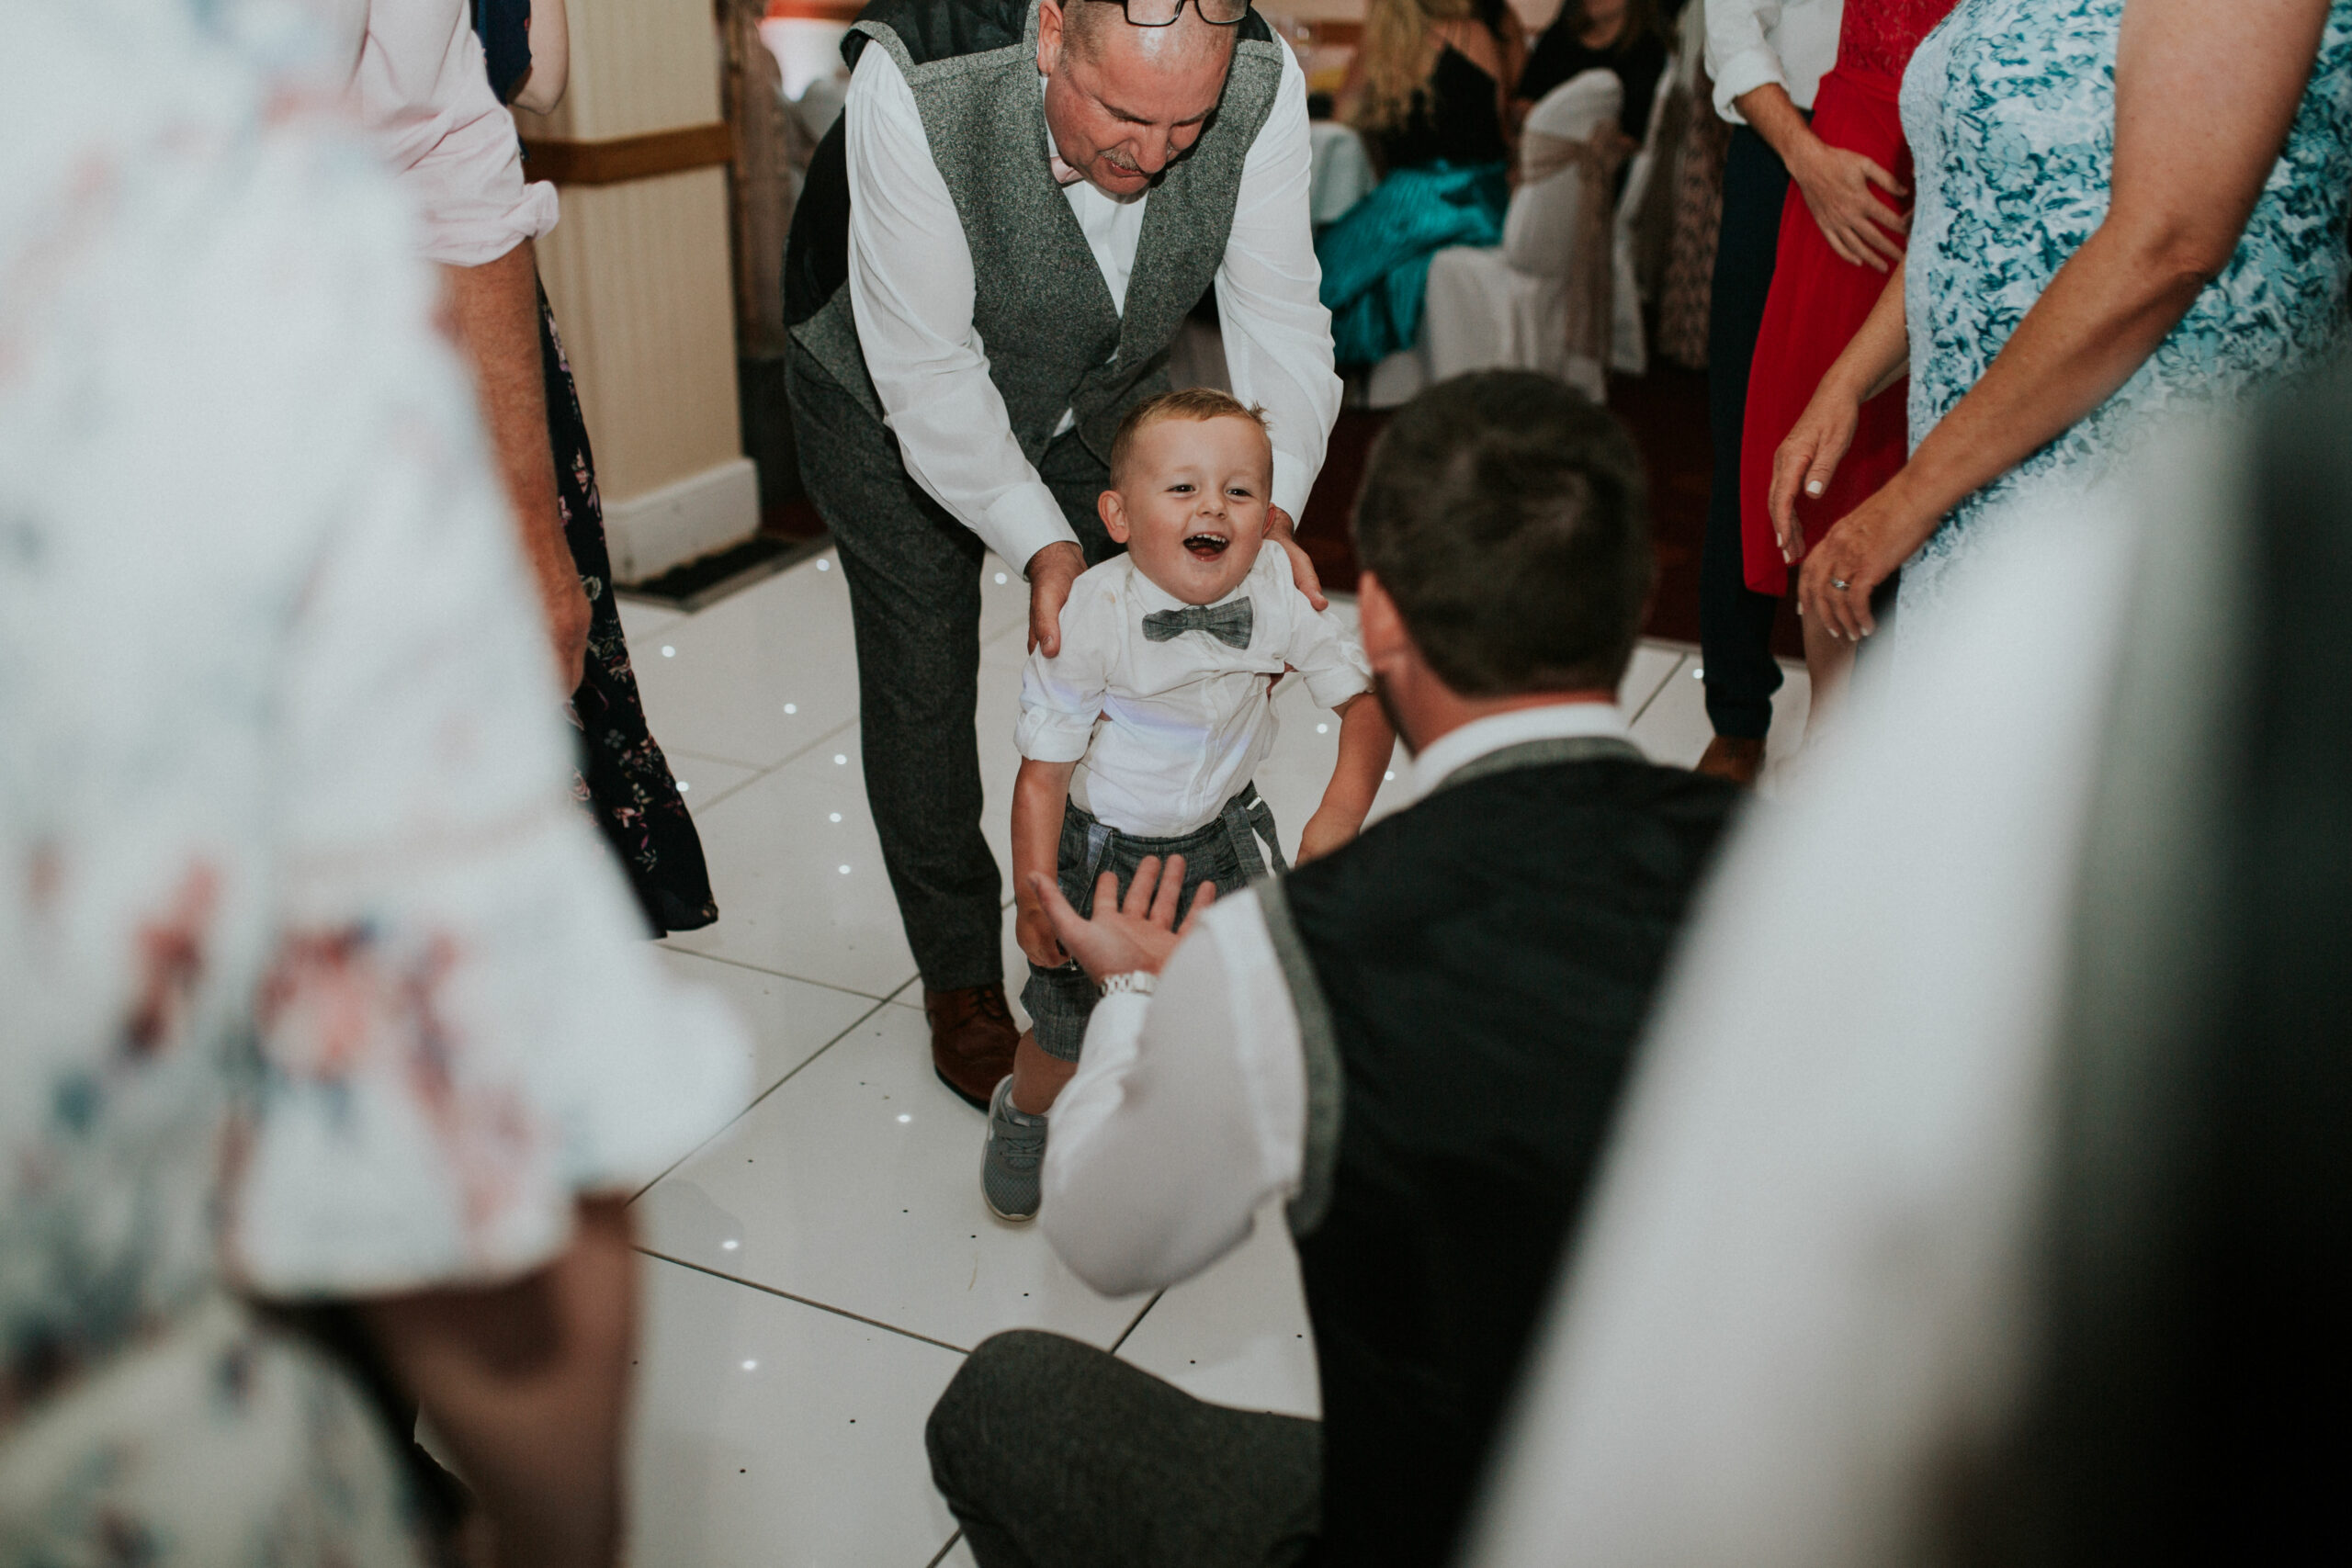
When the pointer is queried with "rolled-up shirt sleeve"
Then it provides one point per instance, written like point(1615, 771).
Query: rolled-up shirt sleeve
point(1188, 1113)
point(1062, 696)
point(1326, 653)
point(425, 96)
point(1740, 56)
point(1277, 333)
point(911, 285)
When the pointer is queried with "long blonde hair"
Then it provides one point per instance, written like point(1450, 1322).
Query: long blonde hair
point(1395, 55)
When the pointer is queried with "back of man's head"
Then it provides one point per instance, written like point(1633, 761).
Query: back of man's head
point(1507, 517)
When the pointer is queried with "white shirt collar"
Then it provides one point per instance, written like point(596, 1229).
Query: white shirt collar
point(1152, 596)
point(1554, 721)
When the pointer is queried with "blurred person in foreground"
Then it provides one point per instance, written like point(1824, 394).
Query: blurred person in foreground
point(1414, 1042)
point(314, 987)
point(2036, 1247)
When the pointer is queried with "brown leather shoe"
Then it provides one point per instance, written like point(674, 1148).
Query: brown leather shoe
point(1727, 757)
point(972, 1039)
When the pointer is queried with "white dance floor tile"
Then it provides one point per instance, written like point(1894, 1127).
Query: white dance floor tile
point(640, 618)
point(789, 1020)
point(768, 1433)
point(1673, 726)
point(798, 872)
point(706, 781)
point(857, 1184)
point(1236, 1334)
point(758, 677)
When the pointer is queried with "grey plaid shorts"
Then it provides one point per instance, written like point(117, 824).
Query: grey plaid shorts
point(1225, 852)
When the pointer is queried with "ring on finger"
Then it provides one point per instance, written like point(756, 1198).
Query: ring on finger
point(1839, 583)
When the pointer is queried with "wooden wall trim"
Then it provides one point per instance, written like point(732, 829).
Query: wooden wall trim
point(618, 160)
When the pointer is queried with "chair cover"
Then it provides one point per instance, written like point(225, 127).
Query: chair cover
point(1341, 170)
point(1508, 305)
point(1628, 351)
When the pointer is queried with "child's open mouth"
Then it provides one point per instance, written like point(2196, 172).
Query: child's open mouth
point(1206, 547)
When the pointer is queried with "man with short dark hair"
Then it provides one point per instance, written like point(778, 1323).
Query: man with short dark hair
point(995, 249)
point(1417, 1041)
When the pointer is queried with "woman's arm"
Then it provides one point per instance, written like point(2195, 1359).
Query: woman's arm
point(1874, 360)
point(528, 1383)
point(2198, 129)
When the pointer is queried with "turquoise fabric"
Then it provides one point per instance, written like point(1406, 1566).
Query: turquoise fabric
point(1376, 256)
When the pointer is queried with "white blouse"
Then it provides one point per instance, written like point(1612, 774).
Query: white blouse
point(313, 980)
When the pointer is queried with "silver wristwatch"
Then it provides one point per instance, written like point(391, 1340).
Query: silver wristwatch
point(1138, 982)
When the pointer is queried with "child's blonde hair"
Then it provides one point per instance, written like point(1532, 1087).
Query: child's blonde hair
point(1191, 402)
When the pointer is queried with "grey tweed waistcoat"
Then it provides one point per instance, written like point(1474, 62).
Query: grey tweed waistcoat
point(1054, 338)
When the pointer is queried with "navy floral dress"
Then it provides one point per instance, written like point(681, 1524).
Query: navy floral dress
point(624, 780)
point(2009, 107)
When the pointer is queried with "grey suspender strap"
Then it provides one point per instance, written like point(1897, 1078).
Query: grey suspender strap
point(1319, 1155)
point(1544, 753)
point(1246, 818)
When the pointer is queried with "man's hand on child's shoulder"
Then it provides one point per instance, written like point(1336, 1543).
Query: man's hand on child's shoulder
point(1302, 565)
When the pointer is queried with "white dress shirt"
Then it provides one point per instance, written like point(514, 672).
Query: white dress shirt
point(423, 94)
point(1189, 1109)
point(910, 286)
point(1751, 42)
point(1169, 732)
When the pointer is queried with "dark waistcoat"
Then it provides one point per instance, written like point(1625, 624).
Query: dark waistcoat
point(1472, 976)
point(1054, 336)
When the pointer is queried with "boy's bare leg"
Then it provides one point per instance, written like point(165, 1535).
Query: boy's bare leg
point(1037, 1079)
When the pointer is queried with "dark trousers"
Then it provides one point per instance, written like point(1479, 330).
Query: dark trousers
point(914, 595)
point(1735, 621)
point(1054, 1454)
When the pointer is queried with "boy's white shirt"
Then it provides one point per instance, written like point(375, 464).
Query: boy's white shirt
point(1169, 732)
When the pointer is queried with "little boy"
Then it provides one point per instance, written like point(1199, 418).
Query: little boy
point(1141, 737)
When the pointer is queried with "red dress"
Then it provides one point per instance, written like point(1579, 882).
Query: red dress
point(1819, 301)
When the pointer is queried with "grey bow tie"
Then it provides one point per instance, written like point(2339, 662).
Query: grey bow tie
point(1229, 622)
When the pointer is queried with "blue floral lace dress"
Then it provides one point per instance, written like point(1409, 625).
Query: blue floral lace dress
point(2009, 107)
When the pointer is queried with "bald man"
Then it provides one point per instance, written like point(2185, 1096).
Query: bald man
point(994, 250)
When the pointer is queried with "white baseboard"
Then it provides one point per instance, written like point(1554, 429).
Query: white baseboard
point(649, 534)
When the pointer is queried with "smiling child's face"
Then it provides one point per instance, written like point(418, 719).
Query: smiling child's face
point(1189, 503)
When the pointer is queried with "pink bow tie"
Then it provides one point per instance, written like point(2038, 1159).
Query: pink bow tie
point(1063, 174)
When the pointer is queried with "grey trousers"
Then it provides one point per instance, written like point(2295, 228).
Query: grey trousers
point(914, 594)
point(1054, 1454)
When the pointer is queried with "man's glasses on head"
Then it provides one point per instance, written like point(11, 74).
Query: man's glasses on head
point(1163, 13)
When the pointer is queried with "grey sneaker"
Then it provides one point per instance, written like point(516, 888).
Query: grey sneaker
point(1013, 1160)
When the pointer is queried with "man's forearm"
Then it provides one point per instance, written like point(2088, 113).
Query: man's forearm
point(496, 311)
point(1774, 115)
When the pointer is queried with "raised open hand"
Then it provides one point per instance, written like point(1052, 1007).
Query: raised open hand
point(1123, 937)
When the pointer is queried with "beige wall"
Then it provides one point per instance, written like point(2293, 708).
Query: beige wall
point(638, 272)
